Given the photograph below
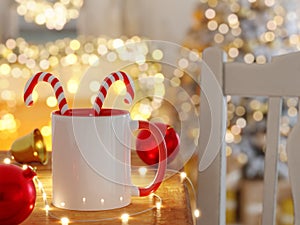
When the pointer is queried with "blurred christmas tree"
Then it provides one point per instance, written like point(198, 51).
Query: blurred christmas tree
point(249, 31)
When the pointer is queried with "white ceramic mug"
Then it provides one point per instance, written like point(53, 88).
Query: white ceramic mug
point(91, 168)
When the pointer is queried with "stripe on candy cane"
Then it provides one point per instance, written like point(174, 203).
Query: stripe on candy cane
point(56, 85)
point(107, 82)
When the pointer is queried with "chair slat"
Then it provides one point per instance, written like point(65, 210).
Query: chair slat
point(278, 78)
point(271, 161)
point(293, 153)
point(211, 181)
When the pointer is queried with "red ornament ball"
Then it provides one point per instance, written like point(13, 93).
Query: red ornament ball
point(17, 194)
point(147, 148)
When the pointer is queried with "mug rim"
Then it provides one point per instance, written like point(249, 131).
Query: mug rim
point(89, 113)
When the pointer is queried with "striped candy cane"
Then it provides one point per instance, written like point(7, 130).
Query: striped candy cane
point(108, 81)
point(51, 79)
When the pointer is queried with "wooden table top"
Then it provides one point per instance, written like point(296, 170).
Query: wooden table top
point(175, 207)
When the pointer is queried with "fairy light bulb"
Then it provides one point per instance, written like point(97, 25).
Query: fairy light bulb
point(158, 205)
point(40, 185)
point(6, 161)
point(44, 196)
point(182, 176)
point(65, 221)
point(125, 218)
point(25, 167)
point(197, 213)
point(142, 171)
point(47, 208)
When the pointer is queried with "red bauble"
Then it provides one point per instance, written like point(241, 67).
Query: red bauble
point(147, 148)
point(17, 194)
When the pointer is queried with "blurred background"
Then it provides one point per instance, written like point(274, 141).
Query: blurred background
point(81, 41)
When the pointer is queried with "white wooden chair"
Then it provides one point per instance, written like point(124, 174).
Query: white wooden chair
point(277, 79)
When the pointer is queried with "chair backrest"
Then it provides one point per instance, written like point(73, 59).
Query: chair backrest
point(277, 79)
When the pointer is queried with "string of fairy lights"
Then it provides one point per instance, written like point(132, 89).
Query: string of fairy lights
point(20, 59)
point(124, 217)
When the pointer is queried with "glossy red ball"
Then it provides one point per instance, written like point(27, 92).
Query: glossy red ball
point(147, 148)
point(17, 194)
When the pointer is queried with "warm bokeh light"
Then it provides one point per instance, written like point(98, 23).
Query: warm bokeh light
point(72, 86)
point(51, 101)
point(119, 87)
point(157, 54)
point(54, 15)
point(20, 60)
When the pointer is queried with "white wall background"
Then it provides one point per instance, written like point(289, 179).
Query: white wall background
point(156, 19)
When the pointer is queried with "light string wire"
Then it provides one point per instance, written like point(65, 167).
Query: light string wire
point(184, 177)
point(158, 202)
point(52, 215)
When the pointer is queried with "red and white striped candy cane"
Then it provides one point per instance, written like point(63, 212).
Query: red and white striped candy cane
point(107, 82)
point(56, 85)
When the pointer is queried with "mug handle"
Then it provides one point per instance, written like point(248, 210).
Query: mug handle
point(162, 162)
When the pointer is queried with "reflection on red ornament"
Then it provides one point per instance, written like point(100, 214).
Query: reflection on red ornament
point(146, 145)
point(17, 194)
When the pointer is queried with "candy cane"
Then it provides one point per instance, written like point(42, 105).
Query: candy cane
point(108, 81)
point(51, 79)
